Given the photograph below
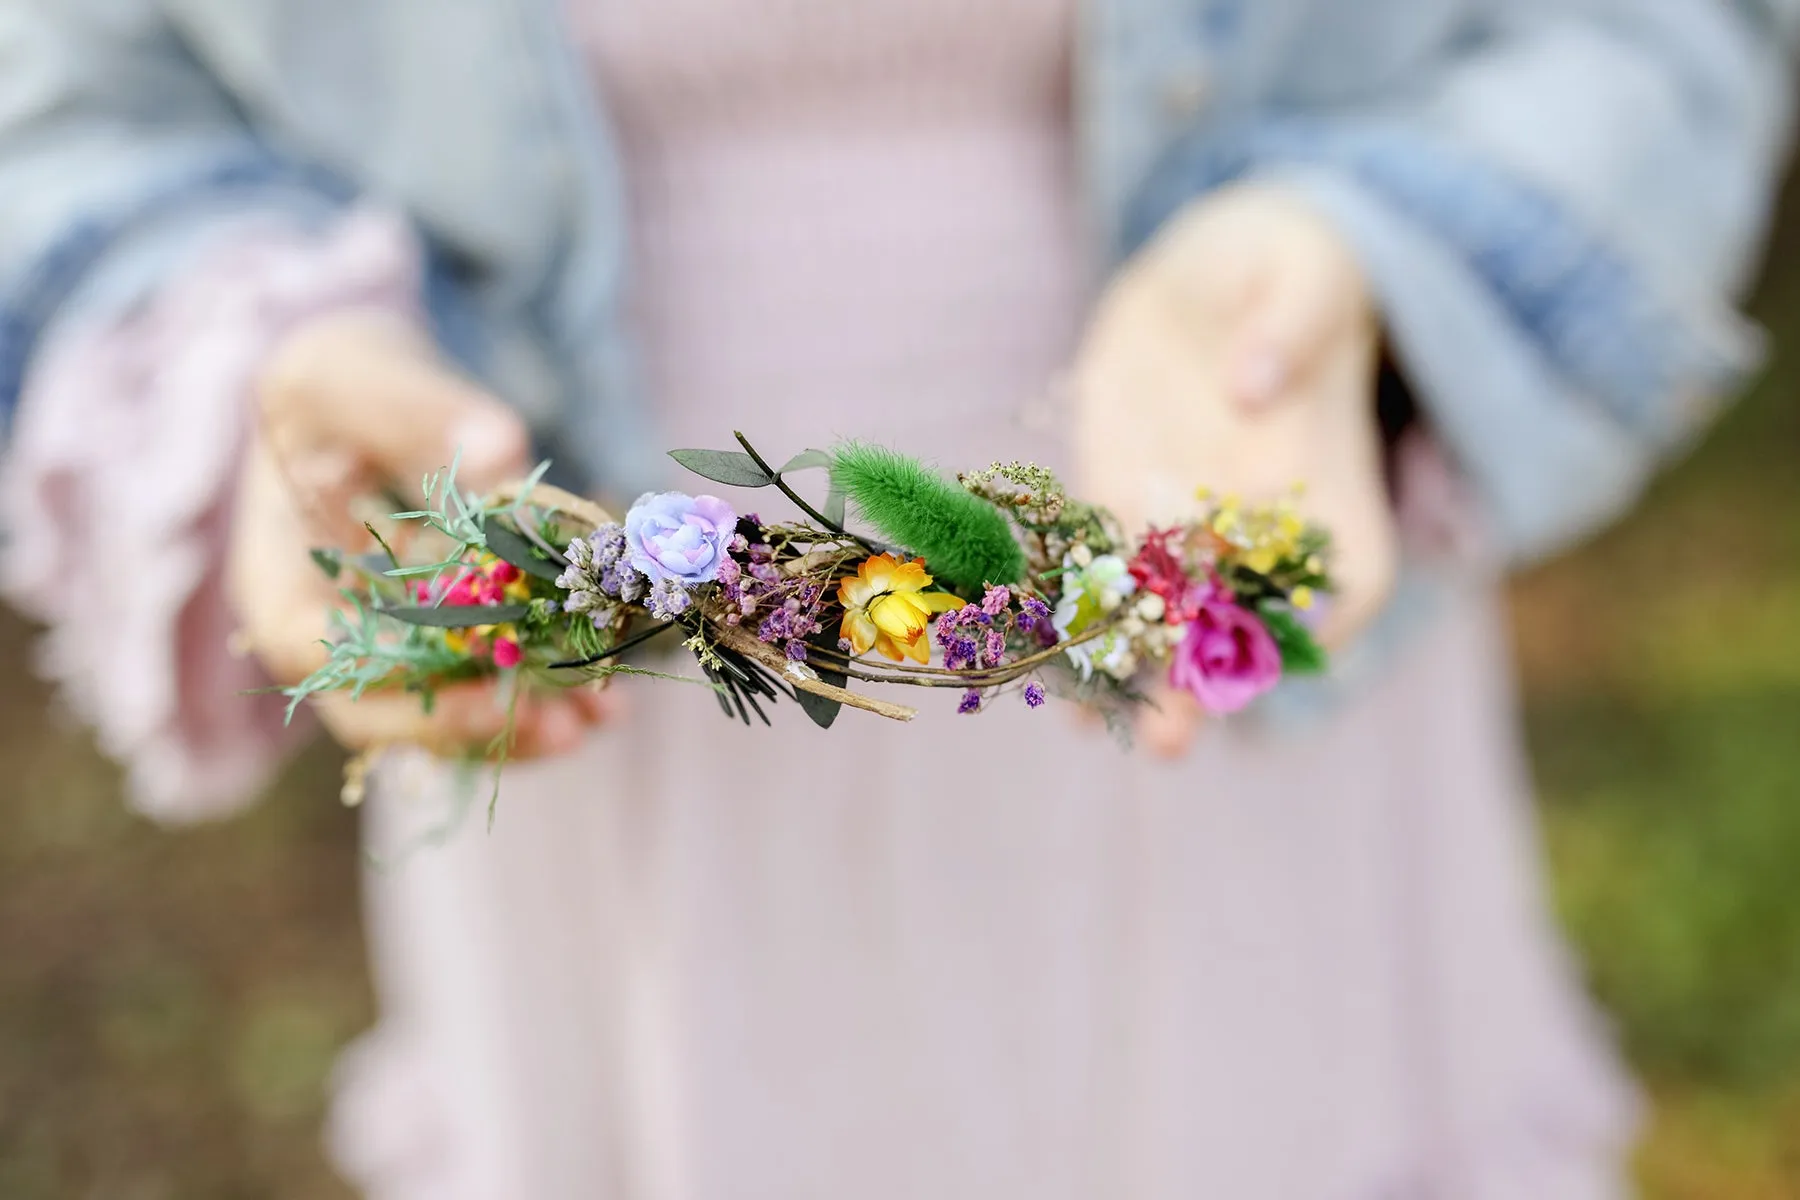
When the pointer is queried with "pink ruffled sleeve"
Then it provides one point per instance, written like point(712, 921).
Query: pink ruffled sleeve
point(116, 494)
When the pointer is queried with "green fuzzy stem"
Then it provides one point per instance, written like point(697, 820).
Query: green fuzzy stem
point(965, 541)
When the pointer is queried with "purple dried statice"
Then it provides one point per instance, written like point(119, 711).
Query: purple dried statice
point(996, 599)
point(1034, 694)
point(1031, 611)
point(959, 652)
point(970, 702)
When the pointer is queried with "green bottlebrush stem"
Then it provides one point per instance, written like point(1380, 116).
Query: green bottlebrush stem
point(965, 541)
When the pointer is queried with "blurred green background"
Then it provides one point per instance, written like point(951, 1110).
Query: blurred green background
point(170, 1003)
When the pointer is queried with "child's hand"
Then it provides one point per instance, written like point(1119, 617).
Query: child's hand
point(1238, 351)
point(348, 405)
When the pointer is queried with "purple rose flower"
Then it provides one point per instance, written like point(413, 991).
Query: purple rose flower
point(1227, 659)
point(669, 535)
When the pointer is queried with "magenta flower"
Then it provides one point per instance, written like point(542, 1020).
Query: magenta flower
point(1227, 658)
point(671, 535)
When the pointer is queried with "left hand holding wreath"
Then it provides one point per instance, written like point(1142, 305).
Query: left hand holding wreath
point(1239, 349)
point(350, 404)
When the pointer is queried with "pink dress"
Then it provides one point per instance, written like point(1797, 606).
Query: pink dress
point(975, 957)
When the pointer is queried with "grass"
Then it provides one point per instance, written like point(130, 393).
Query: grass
point(1662, 681)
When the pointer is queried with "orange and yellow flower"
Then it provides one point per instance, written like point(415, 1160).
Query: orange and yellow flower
point(886, 607)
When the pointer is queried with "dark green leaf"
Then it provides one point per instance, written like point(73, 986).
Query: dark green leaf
point(821, 709)
point(328, 561)
point(458, 616)
point(513, 547)
point(1300, 654)
point(732, 467)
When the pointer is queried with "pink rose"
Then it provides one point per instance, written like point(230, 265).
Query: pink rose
point(1227, 658)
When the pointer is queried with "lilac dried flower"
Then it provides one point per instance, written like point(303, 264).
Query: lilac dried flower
point(668, 599)
point(1034, 694)
point(996, 599)
point(796, 651)
point(622, 583)
point(970, 702)
point(608, 544)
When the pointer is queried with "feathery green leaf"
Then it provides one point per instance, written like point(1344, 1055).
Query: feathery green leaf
point(965, 541)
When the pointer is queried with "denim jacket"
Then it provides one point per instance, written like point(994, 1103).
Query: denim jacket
point(1555, 200)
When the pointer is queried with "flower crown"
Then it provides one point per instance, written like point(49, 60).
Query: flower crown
point(994, 583)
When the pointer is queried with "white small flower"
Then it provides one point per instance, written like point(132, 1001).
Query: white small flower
point(1119, 660)
point(1080, 555)
point(1150, 606)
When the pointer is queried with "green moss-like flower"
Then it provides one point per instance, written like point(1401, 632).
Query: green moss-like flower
point(965, 541)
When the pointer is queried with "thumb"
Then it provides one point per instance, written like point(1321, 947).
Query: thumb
point(358, 399)
point(407, 413)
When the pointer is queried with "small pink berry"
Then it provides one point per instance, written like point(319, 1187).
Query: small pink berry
point(506, 653)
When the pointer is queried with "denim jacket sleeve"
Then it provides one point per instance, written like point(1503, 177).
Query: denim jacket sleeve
point(1554, 211)
point(119, 156)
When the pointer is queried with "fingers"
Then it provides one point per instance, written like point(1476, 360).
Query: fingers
point(406, 414)
point(1168, 725)
point(1273, 278)
point(358, 400)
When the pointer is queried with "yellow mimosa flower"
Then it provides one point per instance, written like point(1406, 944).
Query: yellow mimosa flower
point(1262, 559)
point(887, 608)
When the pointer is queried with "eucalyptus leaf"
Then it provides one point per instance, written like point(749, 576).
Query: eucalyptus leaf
point(732, 467)
point(458, 616)
point(822, 709)
point(808, 460)
point(513, 547)
point(328, 561)
point(834, 506)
